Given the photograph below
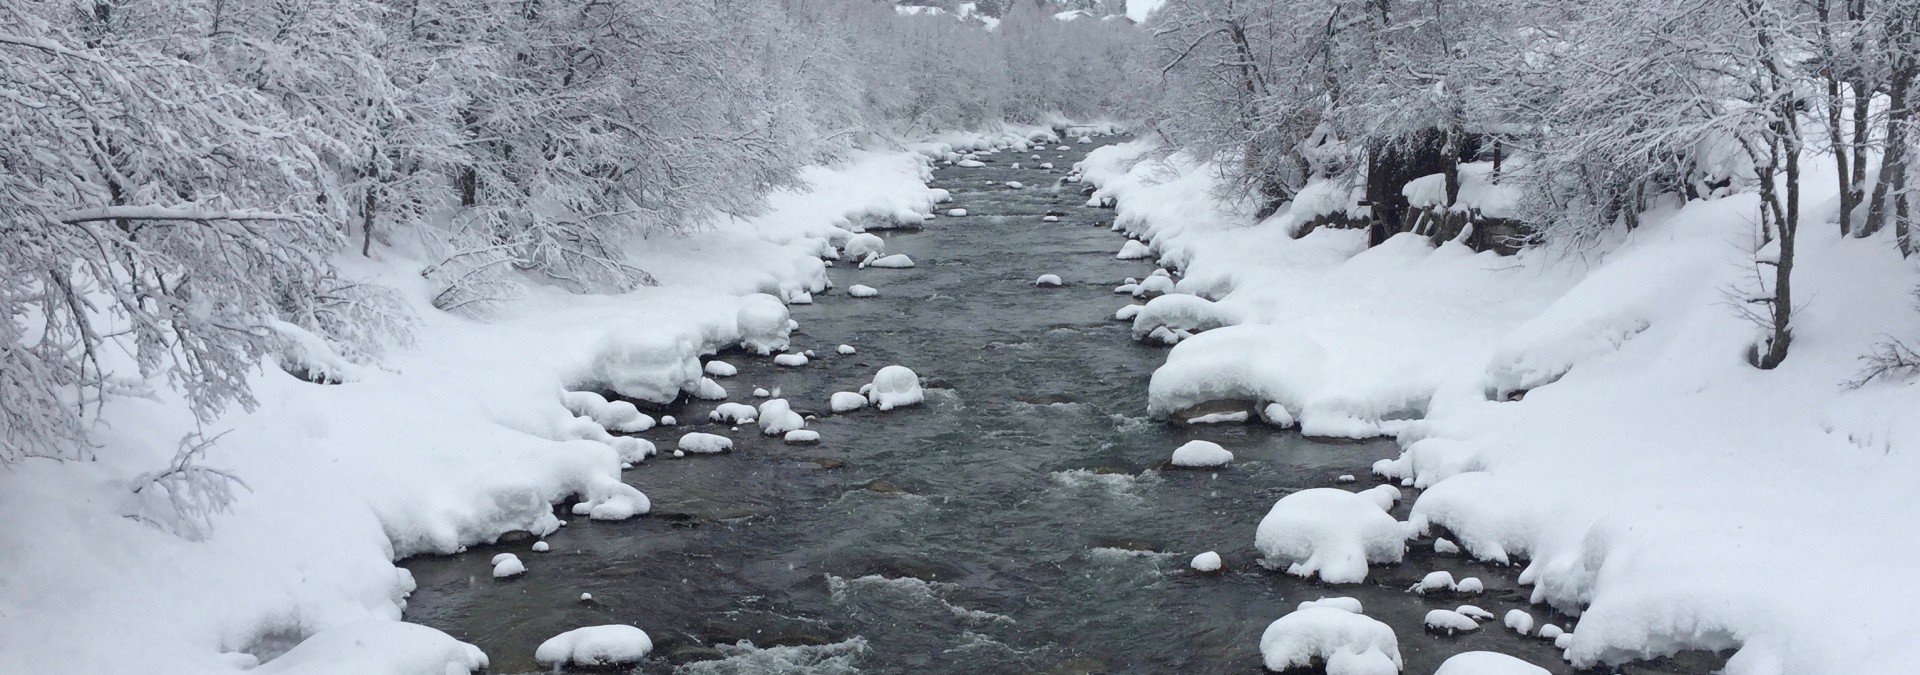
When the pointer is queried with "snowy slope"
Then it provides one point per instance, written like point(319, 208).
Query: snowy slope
point(456, 441)
point(1648, 477)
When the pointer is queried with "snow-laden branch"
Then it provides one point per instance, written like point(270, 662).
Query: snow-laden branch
point(166, 213)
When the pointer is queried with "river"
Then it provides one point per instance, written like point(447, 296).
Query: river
point(1017, 522)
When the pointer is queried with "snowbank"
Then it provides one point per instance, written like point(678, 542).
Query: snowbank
point(1591, 414)
point(377, 648)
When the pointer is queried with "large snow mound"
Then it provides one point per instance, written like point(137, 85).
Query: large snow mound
point(595, 647)
point(1331, 533)
point(1348, 643)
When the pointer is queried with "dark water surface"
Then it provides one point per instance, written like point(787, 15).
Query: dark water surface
point(1015, 523)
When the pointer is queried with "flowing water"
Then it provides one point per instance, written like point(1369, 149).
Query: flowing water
point(1017, 522)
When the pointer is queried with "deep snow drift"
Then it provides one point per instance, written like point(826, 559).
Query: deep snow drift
point(1589, 413)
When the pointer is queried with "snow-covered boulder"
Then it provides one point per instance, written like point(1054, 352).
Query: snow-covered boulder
point(1047, 280)
point(721, 369)
point(1331, 533)
point(1014, 183)
point(649, 365)
point(895, 261)
point(1487, 663)
point(609, 499)
point(1519, 620)
point(613, 415)
point(734, 413)
point(1474, 612)
point(1341, 603)
point(595, 647)
point(708, 390)
point(777, 418)
point(956, 213)
point(1134, 250)
point(969, 164)
point(1126, 313)
point(1153, 286)
point(632, 449)
point(801, 437)
point(1383, 496)
point(845, 350)
point(508, 565)
point(1248, 362)
point(703, 443)
point(790, 360)
point(1450, 622)
point(1201, 454)
point(1206, 562)
point(862, 291)
point(1434, 582)
point(1180, 312)
point(847, 401)
point(1277, 415)
point(377, 646)
point(763, 324)
point(861, 245)
point(895, 386)
point(1346, 642)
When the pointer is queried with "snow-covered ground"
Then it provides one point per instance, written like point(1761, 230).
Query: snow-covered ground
point(458, 439)
point(1590, 414)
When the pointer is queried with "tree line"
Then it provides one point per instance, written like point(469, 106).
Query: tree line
point(1590, 111)
point(183, 178)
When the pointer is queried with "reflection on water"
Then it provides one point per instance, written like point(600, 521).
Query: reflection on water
point(1015, 523)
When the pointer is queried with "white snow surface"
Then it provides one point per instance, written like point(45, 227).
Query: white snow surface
point(595, 647)
point(895, 261)
point(1330, 533)
point(1487, 663)
point(895, 386)
point(846, 401)
point(1654, 482)
point(1200, 453)
point(1350, 643)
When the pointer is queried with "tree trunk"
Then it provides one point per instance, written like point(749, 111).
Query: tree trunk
point(1893, 161)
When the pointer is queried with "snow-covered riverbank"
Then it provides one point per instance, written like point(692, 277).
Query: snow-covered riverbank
point(1597, 421)
point(455, 440)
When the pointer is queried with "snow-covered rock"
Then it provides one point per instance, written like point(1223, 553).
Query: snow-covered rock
point(632, 449)
point(969, 164)
point(1341, 603)
point(1047, 280)
point(1487, 663)
point(541, 547)
point(1276, 415)
point(1346, 642)
point(1126, 313)
point(1331, 533)
point(1449, 622)
point(668, 421)
point(1206, 562)
point(595, 647)
point(1049, 219)
point(801, 437)
point(1179, 311)
point(508, 565)
point(777, 418)
point(862, 245)
point(1153, 286)
point(704, 443)
point(649, 365)
point(1434, 582)
point(862, 291)
point(1126, 289)
point(1345, 478)
point(847, 401)
point(761, 392)
point(1474, 612)
point(1469, 585)
point(1445, 546)
point(721, 369)
point(895, 386)
point(845, 350)
point(1519, 620)
point(790, 360)
point(1199, 453)
point(956, 213)
point(1550, 632)
point(609, 499)
point(376, 647)
point(734, 413)
point(1134, 250)
point(764, 324)
point(895, 261)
